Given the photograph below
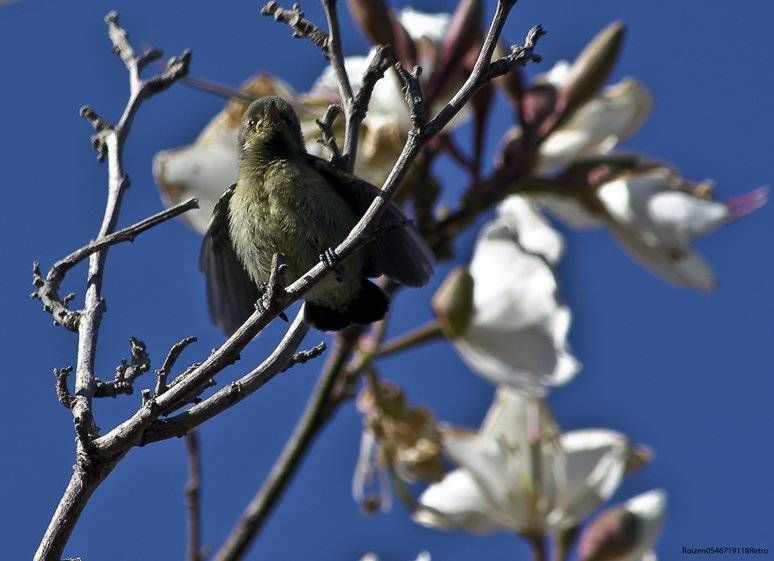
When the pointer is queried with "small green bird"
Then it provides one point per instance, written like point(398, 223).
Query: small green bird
point(288, 201)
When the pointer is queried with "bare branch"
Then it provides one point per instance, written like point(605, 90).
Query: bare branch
point(125, 373)
point(303, 356)
point(192, 492)
point(98, 456)
point(318, 409)
point(48, 288)
point(375, 71)
point(169, 363)
point(92, 468)
point(328, 138)
point(302, 27)
point(62, 392)
point(228, 396)
point(413, 95)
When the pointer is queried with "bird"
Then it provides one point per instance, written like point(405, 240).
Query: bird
point(288, 201)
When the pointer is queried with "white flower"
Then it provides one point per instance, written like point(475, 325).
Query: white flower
point(625, 532)
point(656, 223)
point(517, 334)
point(518, 474)
point(596, 127)
point(419, 24)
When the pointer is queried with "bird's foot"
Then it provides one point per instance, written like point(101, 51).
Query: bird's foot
point(330, 259)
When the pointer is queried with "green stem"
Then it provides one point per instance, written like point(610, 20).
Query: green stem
point(422, 334)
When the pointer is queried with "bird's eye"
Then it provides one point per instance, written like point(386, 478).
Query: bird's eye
point(251, 124)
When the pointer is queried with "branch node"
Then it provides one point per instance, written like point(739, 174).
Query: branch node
point(169, 362)
point(412, 92)
point(301, 26)
point(302, 356)
point(126, 373)
point(328, 138)
point(62, 391)
point(375, 72)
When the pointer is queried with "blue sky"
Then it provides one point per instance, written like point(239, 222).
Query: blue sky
point(688, 374)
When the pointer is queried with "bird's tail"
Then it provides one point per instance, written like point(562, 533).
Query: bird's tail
point(370, 305)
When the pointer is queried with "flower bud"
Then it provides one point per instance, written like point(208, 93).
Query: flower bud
point(379, 23)
point(538, 102)
point(453, 302)
point(371, 16)
point(464, 31)
point(592, 67)
point(625, 531)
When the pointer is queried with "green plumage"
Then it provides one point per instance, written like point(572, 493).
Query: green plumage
point(287, 201)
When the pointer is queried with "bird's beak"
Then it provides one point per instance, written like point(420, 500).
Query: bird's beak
point(271, 114)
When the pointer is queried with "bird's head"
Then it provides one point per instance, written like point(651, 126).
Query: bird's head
point(269, 129)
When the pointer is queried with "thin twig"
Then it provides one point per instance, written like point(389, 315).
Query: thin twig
point(169, 363)
point(62, 391)
point(192, 493)
point(328, 138)
point(126, 373)
point(318, 409)
point(48, 288)
point(221, 400)
point(301, 26)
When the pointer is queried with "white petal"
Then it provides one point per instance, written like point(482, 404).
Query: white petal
point(682, 267)
point(420, 24)
point(679, 217)
point(596, 460)
point(536, 235)
point(598, 126)
point(571, 211)
point(649, 508)
point(363, 467)
point(386, 98)
point(660, 214)
point(456, 503)
point(558, 74)
point(517, 335)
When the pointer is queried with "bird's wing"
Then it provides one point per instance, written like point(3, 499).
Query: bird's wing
point(231, 294)
point(402, 254)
